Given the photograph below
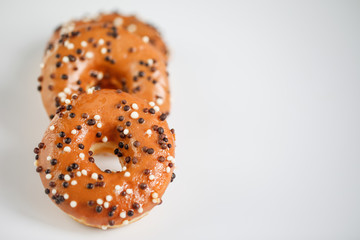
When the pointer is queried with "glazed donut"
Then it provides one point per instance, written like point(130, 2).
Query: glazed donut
point(102, 55)
point(106, 120)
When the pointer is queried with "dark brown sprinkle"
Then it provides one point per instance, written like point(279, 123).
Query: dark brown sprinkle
point(141, 120)
point(121, 118)
point(52, 76)
point(126, 108)
point(78, 51)
point(155, 127)
point(163, 117)
point(67, 140)
point(36, 157)
point(78, 82)
point(118, 106)
point(39, 169)
point(52, 184)
point(84, 115)
point(69, 107)
point(160, 130)
point(72, 174)
point(128, 123)
point(131, 50)
point(153, 69)
point(64, 76)
point(61, 176)
point(69, 169)
point(51, 116)
point(123, 193)
point(47, 191)
point(134, 160)
point(169, 145)
point(81, 146)
point(126, 146)
point(57, 55)
point(127, 159)
point(150, 151)
point(90, 40)
point(120, 128)
point(98, 134)
point(90, 186)
point(39, 88)
point(113, 208)
point(112, 222)
point(78, 127)
point(59, 145)
point(123, 101)
point(51, 87)
point(173, 176)
point(91, 203)
point(36, 150)
point(107, 171)
point(99, 184)
point(163, 146)
point(136, 144)
point(72, 115)
point(91, 122)
point(91, 159)
point(47, 171)
point(100, 177)
point(74, 166)
point(170, 165)
point(110, 214)
point(53, 161)
point(141, 74)
point(143, 186)
point(172, 131)
point(74, 96)
point(147, 171)
point(152, 111)
point(121, 144)
point(72, 58)
point(65, 184)
point(161, 159)
point(99, 209)
point(130, 213)
point(135, 205)
point(58, 64)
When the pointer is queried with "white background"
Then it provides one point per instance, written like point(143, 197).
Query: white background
point(266, 109)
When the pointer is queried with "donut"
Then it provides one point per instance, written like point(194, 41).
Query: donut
point(102, 55)
point(113, 121)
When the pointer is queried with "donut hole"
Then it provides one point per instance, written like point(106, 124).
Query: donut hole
point(105, 158)
point(110, 79)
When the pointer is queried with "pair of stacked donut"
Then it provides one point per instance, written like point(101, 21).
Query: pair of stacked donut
point(104, 84)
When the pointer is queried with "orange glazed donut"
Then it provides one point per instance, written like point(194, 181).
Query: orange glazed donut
point(106, 120)
point(103, 55)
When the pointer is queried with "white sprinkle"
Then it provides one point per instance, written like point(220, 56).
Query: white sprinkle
point(67, 149)
point(67, 177)
point(62, 95)
point(66, 196)
point(83, 44)
point(151, 177)
point(167, 169)
point(109, 198)
point(78, 173)
point(149, 132)
point(41, 65)
point(73, 131)
point(126, 131)
point(117, 187)
point(100, 76)
point(103, 50)
point(90, 91)
point(89, 55)
point(48, 158)
point(134, 115)
point(125, 222)
point(124, 168)
point(52, 127)
point(105, 139)
point(104, 227)
point(84, 172)
point(48, 176)
point(123, 214)
point(99, 201)
point(97, 117)
point(145, 39)
point(65, 59)
point(140, 210)
point(152, 104)
point(155, 200)
point(135, 106)
point(73, 204)
point(170, 158)
point(106, 205)
point(150, 61)
point(70, 46)
point(101, 41)
point(127, 174)
point(131, 28)
point(53, 191)
point(99, 125)
point(156, 108)
point(94, 176)
point(129, 191)
point(35, 163)
point(159, 101)
point(67, 90)
point(154, 195)
point(73, 182)
point(82, 156)
point(67, 101)
point(118, 22)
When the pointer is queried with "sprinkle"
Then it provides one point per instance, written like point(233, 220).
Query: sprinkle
point(123, 214)
point(159, 101)
point(73, 204)
point(53, 191)
point(65, 59)
point(73, 131)
point(150, 61)
point(145, 39)
point(155, 200)
point(67, 90)
point(134, 115)
point(35, 163)
point(100, 76)
point(99, 125)
point(151, 177)
point(131, 28)
point(67, 101)
point(94, 176)
point(48, 176)
point(148, 132)
point(83, 43)
point(117, 187)
point(127, 174)
point(82, 156)
point(90, 91)
point(154, 195)
point(124, 168)
point(66, 196)
point(48, 158)
point(152, 104)
point(106, 205)
point(70, 46)
point(156, 108)
point(78, 173)
point(104, 227)
point(167, 169)
point(118, 22)
point(109, 198)
point(99, 201)
point(103, 50)
point(52, 127)
point(105, 139)
point(67, 177)
point(97, 117)
point(125, 222)
point(170, 158)
point(101, 41)
point(126, 131)
point(67, 149)
point(129, 191)
point(135, 106)
point(84, 172)
point(41, 65)
point(140, 210)
point(89, 55)
point(73, 182)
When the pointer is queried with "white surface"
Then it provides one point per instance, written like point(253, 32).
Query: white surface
point(266, 110)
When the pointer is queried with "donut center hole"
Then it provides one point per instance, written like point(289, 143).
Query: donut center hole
point(104, 156)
